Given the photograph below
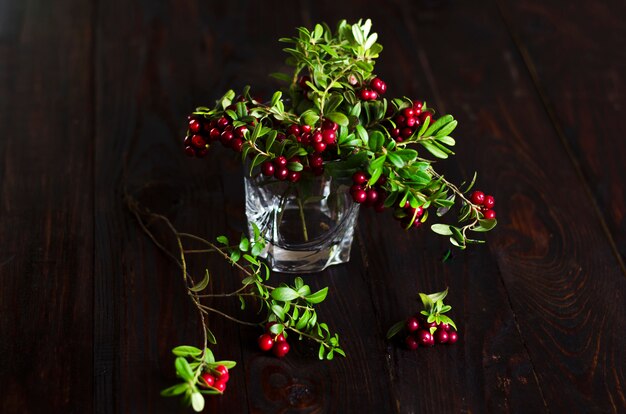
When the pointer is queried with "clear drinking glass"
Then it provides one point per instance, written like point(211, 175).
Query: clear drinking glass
point(308, 225)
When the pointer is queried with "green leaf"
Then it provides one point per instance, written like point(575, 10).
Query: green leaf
point(446, 130)
point(376, 141)
point(395, 159)
point(485, 225)
point(281, 76)
point(442, 229)
point(226, 363)
point(284, 294)
point(318, 296)
point(358, 35)
point(210, 336)
point(377, 164)
point(276, 97)
point(186, 350)
point(278, 311)
point(304, 319)
point(278, 328)
point(295, 166)
point(395, 329)
point(208, 356)
point(361, 133)
point(183, 369)
point(257, 249)
point(433, 149)
point(203, 283)
point(197, 402)
point(426, 301)
point(175, 390)
point(223, 240)
point(339, 118)
point(447, 140)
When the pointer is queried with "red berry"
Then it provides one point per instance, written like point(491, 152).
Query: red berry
point(411, 122)
point(281, 173)
point(226, 137)
point(373, 96)
point(305, 128)
point(189, 151)
point(317, 137)
point(372, 196)
point(265, 342)
point(400, 120)
point(489, 202)
point(208, 379)
point(222, 123)
point(366, 94)
point(441, 336)
point(236, 144)
point(378, 85)
point(280, 161)
point(222, 373)
point(395, 133)
point(417, 107)
point(280, 349)
point(490, 214)
point(198, 141)
point(412, 324)
point(444, 326)
point(214, 134)
point(220, 386)
point(319, 146)
point(359, 196)
point(329, 136)
point(452, 337)
point(379, 207)
point(187, 141)
point(280, 338)
point(267, 168)
point(406, 132)
point(293, 130)
point(425, 338)
point(240, 131)
point(425, 115)
point(316, 160)
point(478, 197)
point(294, 176)
point(356, 187)
point(408, 112)
point(411, 342)
point(195, 126)
point(328, 124)
point(359, 177)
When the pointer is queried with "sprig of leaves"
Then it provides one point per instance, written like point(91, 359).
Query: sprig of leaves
point(190, 364)
point(329, 69)
point(433, 311)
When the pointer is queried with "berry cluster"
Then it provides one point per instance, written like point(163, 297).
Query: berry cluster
point(216, 378)
point(276, 343)
point(203, 132)
point(486, 202)
point(409, 216)
point(279, 168)
point(376, 88)
point(420, 333)
point(408, 121)
point(429, 326)
point(369, 196)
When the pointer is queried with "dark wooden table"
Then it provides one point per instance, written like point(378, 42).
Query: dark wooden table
point(93, 96)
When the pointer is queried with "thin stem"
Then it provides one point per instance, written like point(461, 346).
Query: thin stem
point(302, 218)
point(206, 309)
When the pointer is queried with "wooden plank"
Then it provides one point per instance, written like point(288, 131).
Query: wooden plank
point(562, 281)
point(46, 207)
point(583, 90)
point(489, 370)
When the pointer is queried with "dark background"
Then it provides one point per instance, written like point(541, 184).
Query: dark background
point(93, 98)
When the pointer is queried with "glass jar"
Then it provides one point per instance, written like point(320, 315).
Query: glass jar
point(308, 225)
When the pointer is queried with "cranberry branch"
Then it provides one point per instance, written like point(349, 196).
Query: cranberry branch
point(288, 308)
point(337, 123)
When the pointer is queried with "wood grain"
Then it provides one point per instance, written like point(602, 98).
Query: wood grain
point(93, 97)
point(589, 73)
point(46, 202)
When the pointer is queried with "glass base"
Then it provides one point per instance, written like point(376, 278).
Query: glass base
point(307, 226)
